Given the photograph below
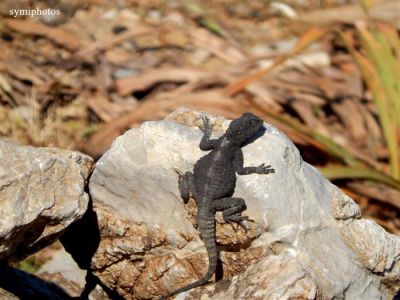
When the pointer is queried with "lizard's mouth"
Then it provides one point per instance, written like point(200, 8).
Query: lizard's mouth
point(260, 122)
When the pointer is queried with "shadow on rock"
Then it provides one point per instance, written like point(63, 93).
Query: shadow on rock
point(26, 286)
point(81, 239)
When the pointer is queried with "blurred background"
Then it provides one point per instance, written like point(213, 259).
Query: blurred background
point(76, 74)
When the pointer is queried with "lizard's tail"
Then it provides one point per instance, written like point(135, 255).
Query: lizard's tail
point(207, 231)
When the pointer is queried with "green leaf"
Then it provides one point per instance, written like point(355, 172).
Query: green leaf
point(345, 172)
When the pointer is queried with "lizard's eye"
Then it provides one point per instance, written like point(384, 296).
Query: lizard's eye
point(250, 123)
point(239, 134)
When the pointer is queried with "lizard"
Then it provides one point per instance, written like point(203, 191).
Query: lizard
point(213, 182)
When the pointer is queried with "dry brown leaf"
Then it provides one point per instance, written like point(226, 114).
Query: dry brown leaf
point(310, 36)
point(22, 70)
point(373, 129)
point(103, 76)
point(113, 40)
point(103, 107)
point(291, 86)
point(20, 91)
point(305, 111)
point(377, 191)
point(259, 107)
point(217, 46)
point(119, 57)
point(4, 85)
point(147, 79)
point(261, 91)
point(315, 100)
point(351, 118)
point(59, 36)
point(241, 83)
point(317, 84)
point(336, 83)
point(385, 10)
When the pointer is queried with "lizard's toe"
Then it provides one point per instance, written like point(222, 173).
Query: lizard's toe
point(239, 219)
point(184, 188)
point(268, 170)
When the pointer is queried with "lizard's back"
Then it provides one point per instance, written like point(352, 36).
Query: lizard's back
point(214, 175)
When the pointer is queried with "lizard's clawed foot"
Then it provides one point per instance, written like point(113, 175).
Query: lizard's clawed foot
point(263, 169)
point(184, 188)
point(207, 127)
point(239, 219)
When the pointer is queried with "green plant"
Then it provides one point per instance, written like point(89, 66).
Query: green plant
point(28, 265)
point(378, 60)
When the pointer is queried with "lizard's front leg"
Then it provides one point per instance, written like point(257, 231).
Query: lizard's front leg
point(238, 164)
point(231, 209)
point(206, 143)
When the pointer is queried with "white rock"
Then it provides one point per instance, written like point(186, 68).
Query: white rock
point(41, 192)
point(307, 232)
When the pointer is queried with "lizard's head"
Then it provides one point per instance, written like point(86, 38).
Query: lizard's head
point(243, 128)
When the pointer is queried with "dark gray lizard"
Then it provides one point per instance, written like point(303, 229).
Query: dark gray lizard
point(213, 181)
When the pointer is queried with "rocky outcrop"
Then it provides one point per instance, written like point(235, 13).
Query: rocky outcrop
point(42, 191)
point(307, 240)
point(138, 240)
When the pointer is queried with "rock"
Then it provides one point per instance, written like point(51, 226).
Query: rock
point(64, 272)
point(307, 240)
point(286, 278)
point(41, 193)
point(62, 264)
point(69, 287)
point(16, 284)
point(7, 295)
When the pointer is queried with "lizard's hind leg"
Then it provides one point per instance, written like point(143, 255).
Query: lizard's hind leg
point(231, 209)
point(186, 186)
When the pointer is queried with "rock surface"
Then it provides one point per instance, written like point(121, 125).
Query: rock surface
point(63, 271)
point(41, 193)
point(62, 265)
point(307, 242)
point(16, 284)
